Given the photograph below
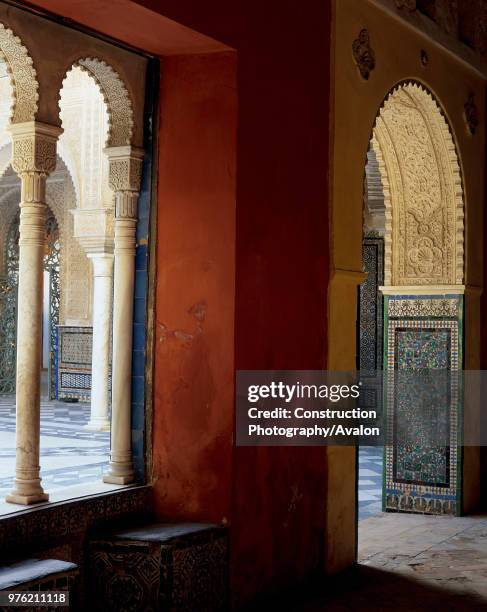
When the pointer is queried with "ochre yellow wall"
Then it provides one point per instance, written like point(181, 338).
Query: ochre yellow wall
point(356, 103)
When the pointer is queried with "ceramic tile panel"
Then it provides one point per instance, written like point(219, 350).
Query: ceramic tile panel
point(422, 357)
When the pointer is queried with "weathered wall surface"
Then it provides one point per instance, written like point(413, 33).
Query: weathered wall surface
point(195, 301)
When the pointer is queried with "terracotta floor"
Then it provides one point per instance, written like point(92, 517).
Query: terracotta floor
point(411, 563)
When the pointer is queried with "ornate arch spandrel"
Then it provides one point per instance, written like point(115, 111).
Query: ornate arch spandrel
point(23, 77)
point(423, 195)
point(117, 99)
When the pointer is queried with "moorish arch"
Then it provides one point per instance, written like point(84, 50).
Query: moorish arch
point(68, 267)
point(23, 76)
point(116, 97)
point(423, 302)
point(423, 194)
point(108, 227)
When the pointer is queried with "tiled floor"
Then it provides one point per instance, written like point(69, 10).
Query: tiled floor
point(69, 454)
point(407, 563)
point(370, 481)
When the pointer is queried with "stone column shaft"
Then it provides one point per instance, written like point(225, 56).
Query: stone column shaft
point(34, 157)
point(102, 311)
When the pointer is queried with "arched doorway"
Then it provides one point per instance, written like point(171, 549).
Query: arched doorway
point(412, 158)
point(8, 306)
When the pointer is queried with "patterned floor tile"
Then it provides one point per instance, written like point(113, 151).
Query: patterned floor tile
point(62, 436)
point(369, 482)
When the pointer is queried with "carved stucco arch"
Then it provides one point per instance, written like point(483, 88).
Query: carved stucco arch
point(58, 205)
point(23, 76)
point(116, 97)
point(423, 195)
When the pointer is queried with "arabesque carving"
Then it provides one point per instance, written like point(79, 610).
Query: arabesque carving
point(23, 77)
point(116, 96)
point(422, 190)
point(34, 147)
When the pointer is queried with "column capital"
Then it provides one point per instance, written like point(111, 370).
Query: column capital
point(125, 168)
point(34, 147)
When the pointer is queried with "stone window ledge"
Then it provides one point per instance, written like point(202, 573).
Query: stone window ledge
point(69, 515)
point(72, 493)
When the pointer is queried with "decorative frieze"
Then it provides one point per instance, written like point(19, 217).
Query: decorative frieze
point(421, 307)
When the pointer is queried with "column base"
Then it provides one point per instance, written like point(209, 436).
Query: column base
point(26, 500)
point(97, 425)
point(122, 478)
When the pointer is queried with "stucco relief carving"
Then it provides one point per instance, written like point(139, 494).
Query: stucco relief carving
point(363, 54)
point(34, 147)
point(125, 174)
point(116, 96)
point(23, 76)
point(33, 155)
point(422, 190)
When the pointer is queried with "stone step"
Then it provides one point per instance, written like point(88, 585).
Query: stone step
point(160, 566)
point(43, 575)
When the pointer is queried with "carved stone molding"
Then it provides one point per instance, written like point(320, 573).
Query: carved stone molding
point(117, 99)
point(363, 54)
point(423, 196)
point(23, 76)
point(471, 114)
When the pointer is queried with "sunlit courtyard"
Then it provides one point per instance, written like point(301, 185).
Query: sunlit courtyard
point(70, 455)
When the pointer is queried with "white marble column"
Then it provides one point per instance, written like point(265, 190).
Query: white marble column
point(33, 158)
point(102, 312)
point(93, 229)
point(125, 174)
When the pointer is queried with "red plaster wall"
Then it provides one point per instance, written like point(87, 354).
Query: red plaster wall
point(282, 267)
point(236, 292)
point(195, 293)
